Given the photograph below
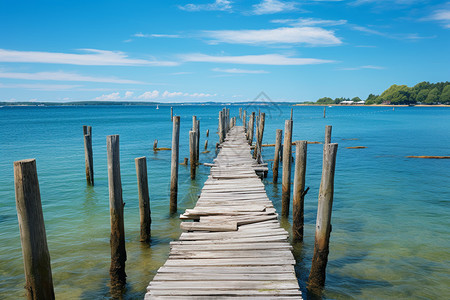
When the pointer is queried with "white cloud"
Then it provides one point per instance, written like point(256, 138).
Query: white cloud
point(149, 95)
point(40, 87)
point(93, 58)
point(221, 5)
point(154, 35)
point(129, 94)
point(442, 16)
point(108, 97)
point(301, 22)
point(265, 59)
point(168, 94)
point(272, 7)
point(240, 71)
point(63, 76)
point(314, 36)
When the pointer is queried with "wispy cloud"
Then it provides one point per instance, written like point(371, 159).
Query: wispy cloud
point(154, 35)
point(313, 36)
point(362, 68)
point(273, 6)
point(220, 5)
point(129, 94)
point(265, 59)
point(396, 36)
point(93, 58)
point(63, 76)
point(385, 2)
point(40, 87)
point(301, 22)
point(441, 15)
point(239, 71)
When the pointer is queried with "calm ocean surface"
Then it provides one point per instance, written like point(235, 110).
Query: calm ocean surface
point(391, 214)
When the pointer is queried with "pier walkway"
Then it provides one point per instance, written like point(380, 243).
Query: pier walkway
point(235, 247)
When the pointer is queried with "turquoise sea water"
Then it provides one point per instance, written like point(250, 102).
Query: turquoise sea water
point(391, 214)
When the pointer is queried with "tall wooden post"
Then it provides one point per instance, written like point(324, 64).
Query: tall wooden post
point(292, 114)
point(36, 258)
point(299, 191)
point(171, 114)
point(240, 112)
point(144, 199)
point(251, 128)
point(192, 150)
point(244, 120)
point(221, 129)
point(207, 132)
point(323, 222)
point(155, 145)
point(324, 111)
point(174, 164)
point(260, 135)
point(197, 134)
point(206, 145)
point(117, 242)
point(328, 134)
point(286, 182)
point(88, 156)
point(276, 158)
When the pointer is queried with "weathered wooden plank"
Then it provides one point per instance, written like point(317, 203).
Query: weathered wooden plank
point(228, 285)
point(211, 226)
point(220, 292)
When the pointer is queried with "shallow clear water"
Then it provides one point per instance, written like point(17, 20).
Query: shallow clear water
point(390, 214)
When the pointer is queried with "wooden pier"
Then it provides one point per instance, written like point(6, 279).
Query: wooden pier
point(233, 245)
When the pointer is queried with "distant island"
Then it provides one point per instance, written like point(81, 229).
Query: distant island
point(422, 93)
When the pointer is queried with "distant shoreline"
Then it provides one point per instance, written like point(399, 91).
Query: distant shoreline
point(255, 103)
point(374, 105)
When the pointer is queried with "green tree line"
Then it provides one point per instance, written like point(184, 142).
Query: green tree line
point(422, 93)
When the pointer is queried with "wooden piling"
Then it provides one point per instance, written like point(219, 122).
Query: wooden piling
point(171, 114)
point(251, 128)
point(292, 114)
point(244, 120)
point(192, 151)
point(299, 191)
point(240, 112)
point(323, 222)
point(207, 132)
point(88, 155)
point(206, 144)
point(286, 181)
point(276, 158)
point(324, 112)
point(117, 242)
point(155, 145)
point(174, 164)
point(197, 134)
point(144, 199)
point(328, 134)
point(36, 258)
point(260, 134)
point(221, 129)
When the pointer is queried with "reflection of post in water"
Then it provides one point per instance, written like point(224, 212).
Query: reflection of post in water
point(90, 201)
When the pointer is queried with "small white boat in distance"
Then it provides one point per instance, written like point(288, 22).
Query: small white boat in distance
point(157, 106)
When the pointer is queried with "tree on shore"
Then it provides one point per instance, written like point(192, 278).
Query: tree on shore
point(422, 93)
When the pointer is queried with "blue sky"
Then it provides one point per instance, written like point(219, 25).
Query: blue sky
point(197, 51)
